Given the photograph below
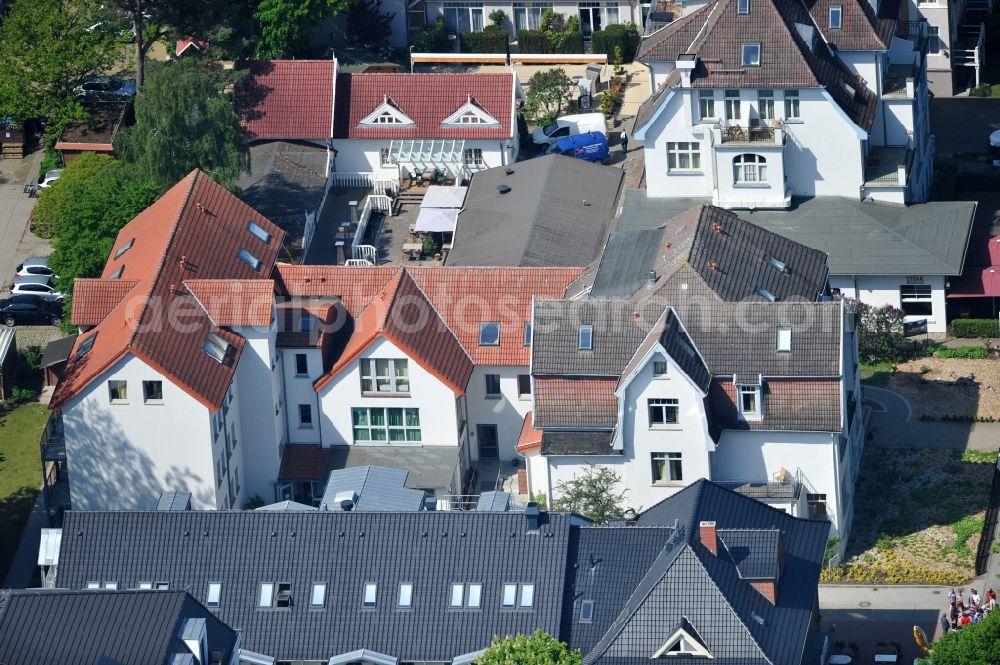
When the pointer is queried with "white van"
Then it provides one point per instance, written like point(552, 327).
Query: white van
point(570, 125)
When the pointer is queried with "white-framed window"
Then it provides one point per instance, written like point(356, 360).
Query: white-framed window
point(916, 299)
point(586, 341)
point(468, 596)
point(393, 425)
point(370, 596)
point(751, 54)
point(474, 157)
point(161, 586)
point(659, 369)
point(145, 585)
point(683, 156)
point(385, 375)
point(118, 391)
point(492, 385)
point(749, 169)
point(528, 15)
point(305, 416)
point(836, 17)
point(765, 104)
point(586, 611)
point(732, 105)
point(508, 597)
point(463, 16)
point(405, 596)
point(527, 596)
point(667, 467)
point(301, 364)
point(265, 595)
point(662, 411)
point(706, 104)
point(152, 391)
point(489, 334)
point(214, 594)
point(792, 104)
point(317, 598)
point(784, 341)
point(524, 386)
point(384, 158)
point(110, 586)
point(749, 402)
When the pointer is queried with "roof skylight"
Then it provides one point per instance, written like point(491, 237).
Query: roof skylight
point(118, 273)
point(124, 248)
point(766, 295)
point(751, 55)
point(773, 262)
point(85, 347)
point(249, 259)
point(258, 231)
point(489, 334)
point(743, 6)
point(216, 347)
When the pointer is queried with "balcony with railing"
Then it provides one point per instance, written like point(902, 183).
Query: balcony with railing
point(784, 485)
point(52, 453)
point(916, 32)
point(754, 133)
point(888, 166)
point(900, 82)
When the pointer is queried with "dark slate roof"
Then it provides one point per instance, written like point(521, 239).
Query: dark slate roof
point(878, 238)
point(670, 334)
point(555, 340)
point(790, 57)
point(804, 405)
point(57, 351)
point(555, 442)
point(556, 214)
point(244, 548)
point(373, 488)
point(427, 467)
point(42, 626)
point(755, 552)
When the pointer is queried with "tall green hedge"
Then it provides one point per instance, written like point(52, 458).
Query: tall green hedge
point(536, 41)
point(624, 35)
point(975, 328)
point(490, 40)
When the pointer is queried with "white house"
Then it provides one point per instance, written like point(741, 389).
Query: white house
point(697, 349)
point(757, 102)
point(395, 127)
point(956, 36)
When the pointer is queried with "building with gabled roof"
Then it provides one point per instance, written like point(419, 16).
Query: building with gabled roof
point(707, 572)
point(754, 103)
point(701, 347)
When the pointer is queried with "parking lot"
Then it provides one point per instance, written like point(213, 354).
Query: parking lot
point(16, 242)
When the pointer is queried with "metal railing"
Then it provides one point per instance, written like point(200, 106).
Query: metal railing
point(790, 488)
point(754, 133)
point(363, 255)
point(458, 502)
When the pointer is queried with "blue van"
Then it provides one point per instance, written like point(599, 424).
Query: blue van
point(592, 147)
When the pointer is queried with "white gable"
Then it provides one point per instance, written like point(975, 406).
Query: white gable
point(387, 113)
point(472, 114)
point(682, 644)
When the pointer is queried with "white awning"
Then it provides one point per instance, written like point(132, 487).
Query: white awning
point(438, 196)
point(48, 547)
point(436, 219)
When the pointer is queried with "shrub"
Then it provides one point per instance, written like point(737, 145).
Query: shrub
point(619, 41)
point(51, 160)
point(984, 90)
point(968, 352)
point(490, 40)
point(431, 244)
point(19, 396)
point(536, 41)
point(497, 16)
point(972, 328)
point(433, 39)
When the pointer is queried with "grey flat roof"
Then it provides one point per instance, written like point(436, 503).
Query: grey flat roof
point(429, 467)
point(556, 213)
point(285, 181)
point(375, 488)
point(859, 238)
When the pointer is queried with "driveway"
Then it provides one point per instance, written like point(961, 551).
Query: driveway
point(963, 124)
point(892, 426)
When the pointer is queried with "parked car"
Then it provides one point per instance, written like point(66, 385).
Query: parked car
point(29, 309)
point(104, 89)
point(38, 265)
point(570, 125)
point(995, 147)
point(50, 177)
point(38, 285)
point(592, 147)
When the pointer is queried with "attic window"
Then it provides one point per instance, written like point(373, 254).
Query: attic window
point(405, 599)
point(318, 597)
point(85, 347)
point(249, 259)
point(214, 594)
point(124, 248)
point(217, 347)
point(586, 338)
point(784, 339)
point(371, 594)
point(849, 89)
point(750, 402)
point(743, 6)
point(118, 273)
point(471, 118)
point(775, 263)
point(766, 295)
point(587, 611)
point(386, 118)
point(509, 597)
point(836, 17)
point(266, 594)
point(489, 334)
point(751, 55)
point(284, 596)
point(527, 334)
point(258, 231)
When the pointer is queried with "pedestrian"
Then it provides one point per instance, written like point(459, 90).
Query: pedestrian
point(624, 142)
point(991, 597)
point(945, 624)
point(974, 597)
point(954, 616)
point(965, 620)
point(952, 597)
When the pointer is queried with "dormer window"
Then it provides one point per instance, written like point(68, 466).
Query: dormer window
point(784, 340)
point(471, 113)
point(124, 248)
point(750, 402)
point(586, 338)
point(489, 334)
point(387, 114)
point(751, 55)
point(385, 118)
point(470, 118)
point(258, 231)
point(836, 17)
point(743, 6)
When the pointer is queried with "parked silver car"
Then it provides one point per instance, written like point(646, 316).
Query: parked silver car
point(38, 265)
point(38, 285)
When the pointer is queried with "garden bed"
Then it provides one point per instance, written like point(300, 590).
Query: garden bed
point(918, 517)
point(949, 388)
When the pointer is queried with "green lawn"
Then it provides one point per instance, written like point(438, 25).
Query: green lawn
point(876, 373)
point(20, 474)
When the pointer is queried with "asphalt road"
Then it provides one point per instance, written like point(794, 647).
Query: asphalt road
point(964, 124)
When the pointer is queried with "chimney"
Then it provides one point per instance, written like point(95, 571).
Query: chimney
point(631, 517)
point(652, 278)
point(685, 65)
point(709, 538)
point(353, 205)
point(717, 227)
point(195, 636)
point(533, 516)
point(430, 504)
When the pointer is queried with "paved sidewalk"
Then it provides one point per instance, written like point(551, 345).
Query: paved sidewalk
point(15, 208)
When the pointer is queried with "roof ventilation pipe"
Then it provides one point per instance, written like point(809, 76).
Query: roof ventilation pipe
point(503, 189)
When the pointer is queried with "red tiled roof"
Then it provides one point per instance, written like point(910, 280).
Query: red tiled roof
point(530, 439)
point(93, 299)
point(195, 230)
point(326, 310)
point(234, 302)
point(575, 402)
point(427, 99)
point(463, 297)
point(287, 99)
point(191, 42)
point(402, 314)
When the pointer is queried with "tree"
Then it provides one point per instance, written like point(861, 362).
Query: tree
point(93, 199)
point(594, 495)
point(547, 94)
point(538, 649)
point(285, 27)
point(880, 331)
point(185, 120)
point(367, 25)
point(47, 49)
point(975, 644)
point(432, 39)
